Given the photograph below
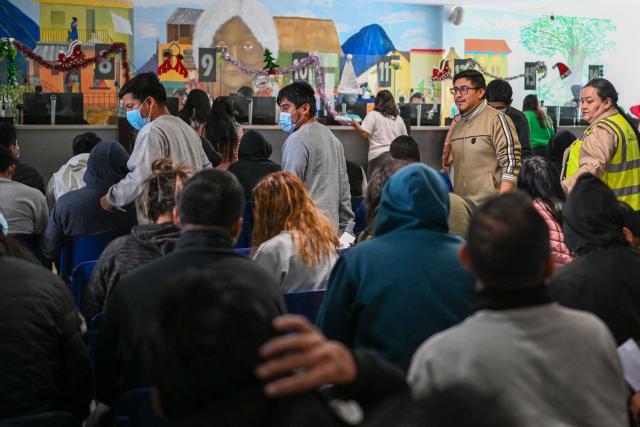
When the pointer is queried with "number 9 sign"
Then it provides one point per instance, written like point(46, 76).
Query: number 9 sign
point(207, 64)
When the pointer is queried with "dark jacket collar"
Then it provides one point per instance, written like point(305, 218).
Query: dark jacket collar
point(506, 299)
point(204, 241)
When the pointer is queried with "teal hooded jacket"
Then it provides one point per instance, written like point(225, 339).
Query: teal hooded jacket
point(391, 293)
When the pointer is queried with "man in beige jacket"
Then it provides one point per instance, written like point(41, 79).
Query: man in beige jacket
point(485, 146)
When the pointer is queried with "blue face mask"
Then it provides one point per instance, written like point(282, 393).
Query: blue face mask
point(285, 122)
point(136, 120)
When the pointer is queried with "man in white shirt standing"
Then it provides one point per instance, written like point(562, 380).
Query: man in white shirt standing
point(160, 135)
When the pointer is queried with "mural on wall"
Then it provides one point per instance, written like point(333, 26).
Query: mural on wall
point(392, 46)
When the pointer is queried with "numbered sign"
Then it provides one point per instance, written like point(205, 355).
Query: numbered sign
point(596, 72)
point(384, 71)
point(105, 69)
point(303, 73)
point(530, 78)
point(460, 65)
point(207, 64)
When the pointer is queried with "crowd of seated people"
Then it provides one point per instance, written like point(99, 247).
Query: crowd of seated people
point(445, 313)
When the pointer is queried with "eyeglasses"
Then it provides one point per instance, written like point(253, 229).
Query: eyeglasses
point(462, 89)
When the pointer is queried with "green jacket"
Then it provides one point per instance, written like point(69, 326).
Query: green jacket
point(540, 136)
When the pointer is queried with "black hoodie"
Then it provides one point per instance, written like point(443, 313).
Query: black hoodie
point(605, 276)
point(253, 161)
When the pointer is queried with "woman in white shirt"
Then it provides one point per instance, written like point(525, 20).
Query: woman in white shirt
point(381, 126)
point(295, 240)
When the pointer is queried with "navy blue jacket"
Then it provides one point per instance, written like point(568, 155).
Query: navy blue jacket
point(78, 213)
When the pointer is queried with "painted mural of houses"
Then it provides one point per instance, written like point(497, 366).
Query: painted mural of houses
point(491, 54)
point(300, 37)
point(422, 63)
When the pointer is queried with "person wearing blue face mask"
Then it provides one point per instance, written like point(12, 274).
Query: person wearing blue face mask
point(314, 154)
point(160, 135)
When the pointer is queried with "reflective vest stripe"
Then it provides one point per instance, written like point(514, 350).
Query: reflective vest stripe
point(627, 191)
point(622, 167)
point(622, 139)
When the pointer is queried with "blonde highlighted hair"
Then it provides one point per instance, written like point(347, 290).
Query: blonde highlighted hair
point(163, 186)
point(282, 203)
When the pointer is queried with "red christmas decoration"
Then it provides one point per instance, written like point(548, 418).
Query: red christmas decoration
point(563, 70)
point(72, 63)
point(442, 71)
point(166, 66)
point(179, 67)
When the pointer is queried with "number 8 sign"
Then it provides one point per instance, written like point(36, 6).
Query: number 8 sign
point(105, 69)
point(207, 64)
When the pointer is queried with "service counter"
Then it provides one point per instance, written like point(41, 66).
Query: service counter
point(47, 147)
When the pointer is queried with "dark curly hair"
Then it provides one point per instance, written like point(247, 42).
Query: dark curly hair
point(386, 105)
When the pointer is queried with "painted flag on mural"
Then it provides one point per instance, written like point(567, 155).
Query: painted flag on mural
point(121, 25)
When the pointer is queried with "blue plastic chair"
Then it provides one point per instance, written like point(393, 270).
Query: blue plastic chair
point(80, 249)
point(134, 409)
point(79, 279)
point(356, 201)
point(245, 237)
point(306, 303)
point(45, 419)
point(92, 334)
point(243, 251)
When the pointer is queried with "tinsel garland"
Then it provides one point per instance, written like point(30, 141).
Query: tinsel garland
point(83, 62)
point(7, 51)
point(302, 63)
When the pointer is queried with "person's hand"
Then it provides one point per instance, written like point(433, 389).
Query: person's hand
point(635, 405)
point(447, 155)
point(104, 204)
point(506, 187)
point(305, 358)
point(354, 123)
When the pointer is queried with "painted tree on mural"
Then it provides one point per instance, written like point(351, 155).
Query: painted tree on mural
point(576, 39)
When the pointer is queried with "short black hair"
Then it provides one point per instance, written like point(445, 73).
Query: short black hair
point(499, 90)
point(508, 243)
point(212, 198)
point(406, 148)
point(84, 142)
point(6, 158)
point(631, 218)
point(416, 95)
point(474, 76)
point(299, 93)
point(204, 340)
point(145, 85)
point(7, 134)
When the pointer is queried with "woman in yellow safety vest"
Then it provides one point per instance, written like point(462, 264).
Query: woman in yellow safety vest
point(609, 146)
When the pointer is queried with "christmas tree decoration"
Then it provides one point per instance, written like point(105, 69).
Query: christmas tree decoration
point(562, 69)
point(348, 82)
point(270, 64)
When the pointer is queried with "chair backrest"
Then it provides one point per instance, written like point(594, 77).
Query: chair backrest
point(92, 334)
point(45, 419)
point(306, 303)
point(134, 409)
point(79, 279)
point(245, 237)
point(80, 249)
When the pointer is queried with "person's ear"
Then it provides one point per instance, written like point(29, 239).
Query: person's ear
point(304, 110)
point(627, 234)
point(482, 92)
point(176, 216)
point(236, 228)
point(463, 254)
point(549, 269)
point(11, 170)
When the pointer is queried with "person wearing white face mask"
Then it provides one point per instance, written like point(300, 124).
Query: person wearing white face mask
point(314, 154)
point(160, 135)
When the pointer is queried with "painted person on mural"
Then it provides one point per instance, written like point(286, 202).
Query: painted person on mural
point(245, 28)
point(609, 146)
point(484, 143)
point(160, 135)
